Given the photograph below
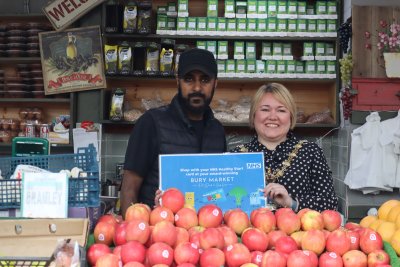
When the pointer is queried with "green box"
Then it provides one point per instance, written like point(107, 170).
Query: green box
point(212, 24)
point(272, 8)
point(331, 25)
point(201, 44)
point(230, 66)
point(282, 7)
point(181, 24)
point(290, 66)
point(221, 26)
point(171, 9)
point(272, 24)
point(266, 49)
point(191, 23)
point(260, 66)
point(301, 25)
point(301, 7)
point(241, 25)
point(241, 9)
point(311, 25)
point(277, 49)
point(238, 50)
point(282, 25)
point(250, 65)
point(161, 22)
point(251, 25)
point(292, 7)
point(310, 67)
point(320, 7)
point(250, 50)
point(310, 9)
point(292, 25)
point(329, 49)
point(287, 49)
point(262, 8)
point(271, 66)
point(320, 49)
point(240, 66)
point(331, 7)
point(308, 49)
point(251, 7)
point(321, 25)
point(331, 67)
point(201, 24)
point(221, 65)
point(222, 50)
point(212, 8)
point(261, 25)
point(183, 8)
point(162, 10)
point(212, 47)
point(281, 66)
point(231, 24)
point(229, 9)
point(299, 66)
point(321, 66)
point(171, 23)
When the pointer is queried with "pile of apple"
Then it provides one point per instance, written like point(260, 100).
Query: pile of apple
point(176, 235)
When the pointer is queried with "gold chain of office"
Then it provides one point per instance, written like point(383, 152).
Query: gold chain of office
point(272, 177)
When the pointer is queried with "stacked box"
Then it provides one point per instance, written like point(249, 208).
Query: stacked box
point(310, 67)
point(183, 8)
point(171, 23)
point(230, 66)
point(252, 8)
point(310, 10)
point(201, 24)
point(319, 49)
point(331, 67)
point(272, 24)
point(221, 26)
point(277, 49)
point(308, 49)
point(271, 66)
point(212, 8)
point(281, 66)
point(272, 8)
point(320, 7)
point(331, 25)
point(240, 66)
point(292, 25)
point(291, 66)
point(251, 25)
point(260, 66)
point(238, 50)
point(229, 9)
point(266, 50)
point(301, 7)
point(212, 47)
point(161, 22)
point(250, 50)
point(223, 49)
point(201, 44)
point(250, 65)
point(241, 9)
point(292, 7)
point(321, 67)
point(262, 8)
point(221, 66)
point(182, 23)
point(299, 67)
point(231, 24)
point(212, 24)
point(311, 25)
point(241, 24)
point(282, 7)
point(287, 49)
point(329, 49)
point(301, 25)
point(191, 24)
point(261, 25)
point(282, 25)
point(321, 25)
point(331, 7)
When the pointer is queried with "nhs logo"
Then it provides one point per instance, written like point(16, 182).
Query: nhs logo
point(253, 165)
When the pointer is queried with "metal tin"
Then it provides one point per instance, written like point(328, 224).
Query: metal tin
point(44, 131)
point(30, 130)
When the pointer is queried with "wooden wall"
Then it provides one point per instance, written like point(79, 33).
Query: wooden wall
point(368, 63)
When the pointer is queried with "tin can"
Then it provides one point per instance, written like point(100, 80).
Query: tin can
point(44, 131)
point(30, 130)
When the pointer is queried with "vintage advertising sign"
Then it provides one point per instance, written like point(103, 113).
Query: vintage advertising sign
point(44, 195)
point(72, 60)
point(229, 180)
point(63, 13)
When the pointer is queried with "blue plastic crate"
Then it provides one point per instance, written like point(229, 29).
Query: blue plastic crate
point(83, 192)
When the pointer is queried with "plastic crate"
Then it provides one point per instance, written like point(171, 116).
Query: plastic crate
point(83, 192)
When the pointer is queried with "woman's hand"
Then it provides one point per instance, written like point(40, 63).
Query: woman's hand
point(278, 194)
point(157, 198)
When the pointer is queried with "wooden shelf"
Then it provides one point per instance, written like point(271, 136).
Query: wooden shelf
point(18, 59)
point(36, 100)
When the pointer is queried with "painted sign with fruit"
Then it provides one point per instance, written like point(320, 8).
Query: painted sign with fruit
point(228, 180)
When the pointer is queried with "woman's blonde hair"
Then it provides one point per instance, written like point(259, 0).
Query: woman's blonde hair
point(282, 94)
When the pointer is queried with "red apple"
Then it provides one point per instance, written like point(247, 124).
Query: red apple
point(313, 257)
point(313, 240)
point(354, 239)
point(104, 233)
point(273, 236)
point(255, 239)
point(108, 260)
point(134, 264)
point(264, 220)
point(302, 211)
point(160, 213)
point(194, 234)
point(280, 211)
point(237, 255)
point(352, 225)
point(173, 199)
point(95, 251)
point(108, 218)
point(338, 241)
point(229, 235)
point(256, 257)
point(332, 219)
point(160, 253)
point(288, 221)
point(298, 236)
point(355, 258)
point(133, 251)
point(211, 238)
point(186, 218)
point(182, 235)
point(120, 234)
point(273, 258)
point(370, 240)
point(210, 215)
point(298, 258)
point(138, 230)
point(312, 219)
point(164, 231)
point(117, 251)
point(186, 253)
point(378, 258)
point(285, 245)
point(238, 220)
point(212, 257)
point(330, 259)
point(185, 265)
point(138, 211)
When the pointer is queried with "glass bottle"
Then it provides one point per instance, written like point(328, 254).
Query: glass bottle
point(71, 49)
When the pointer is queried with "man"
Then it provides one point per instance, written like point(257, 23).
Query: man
point(186, 125)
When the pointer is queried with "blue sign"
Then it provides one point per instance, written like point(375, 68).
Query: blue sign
point(229, 180)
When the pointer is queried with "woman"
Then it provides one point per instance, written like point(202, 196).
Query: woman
point(296, 172)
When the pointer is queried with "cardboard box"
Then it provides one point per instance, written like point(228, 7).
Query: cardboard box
point(32, 238)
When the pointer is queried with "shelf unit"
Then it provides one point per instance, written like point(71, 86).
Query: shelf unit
point(313, 93)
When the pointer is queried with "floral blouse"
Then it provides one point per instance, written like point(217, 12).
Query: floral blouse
point(308, 179)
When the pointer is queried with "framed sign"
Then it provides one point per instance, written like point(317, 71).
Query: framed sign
point(63, 13)
point(72, 60)
point(44, 195)
point(229, 180)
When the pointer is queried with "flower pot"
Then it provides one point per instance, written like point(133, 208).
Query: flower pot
point(392, 64)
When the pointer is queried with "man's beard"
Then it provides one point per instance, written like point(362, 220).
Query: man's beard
point(187, 102)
